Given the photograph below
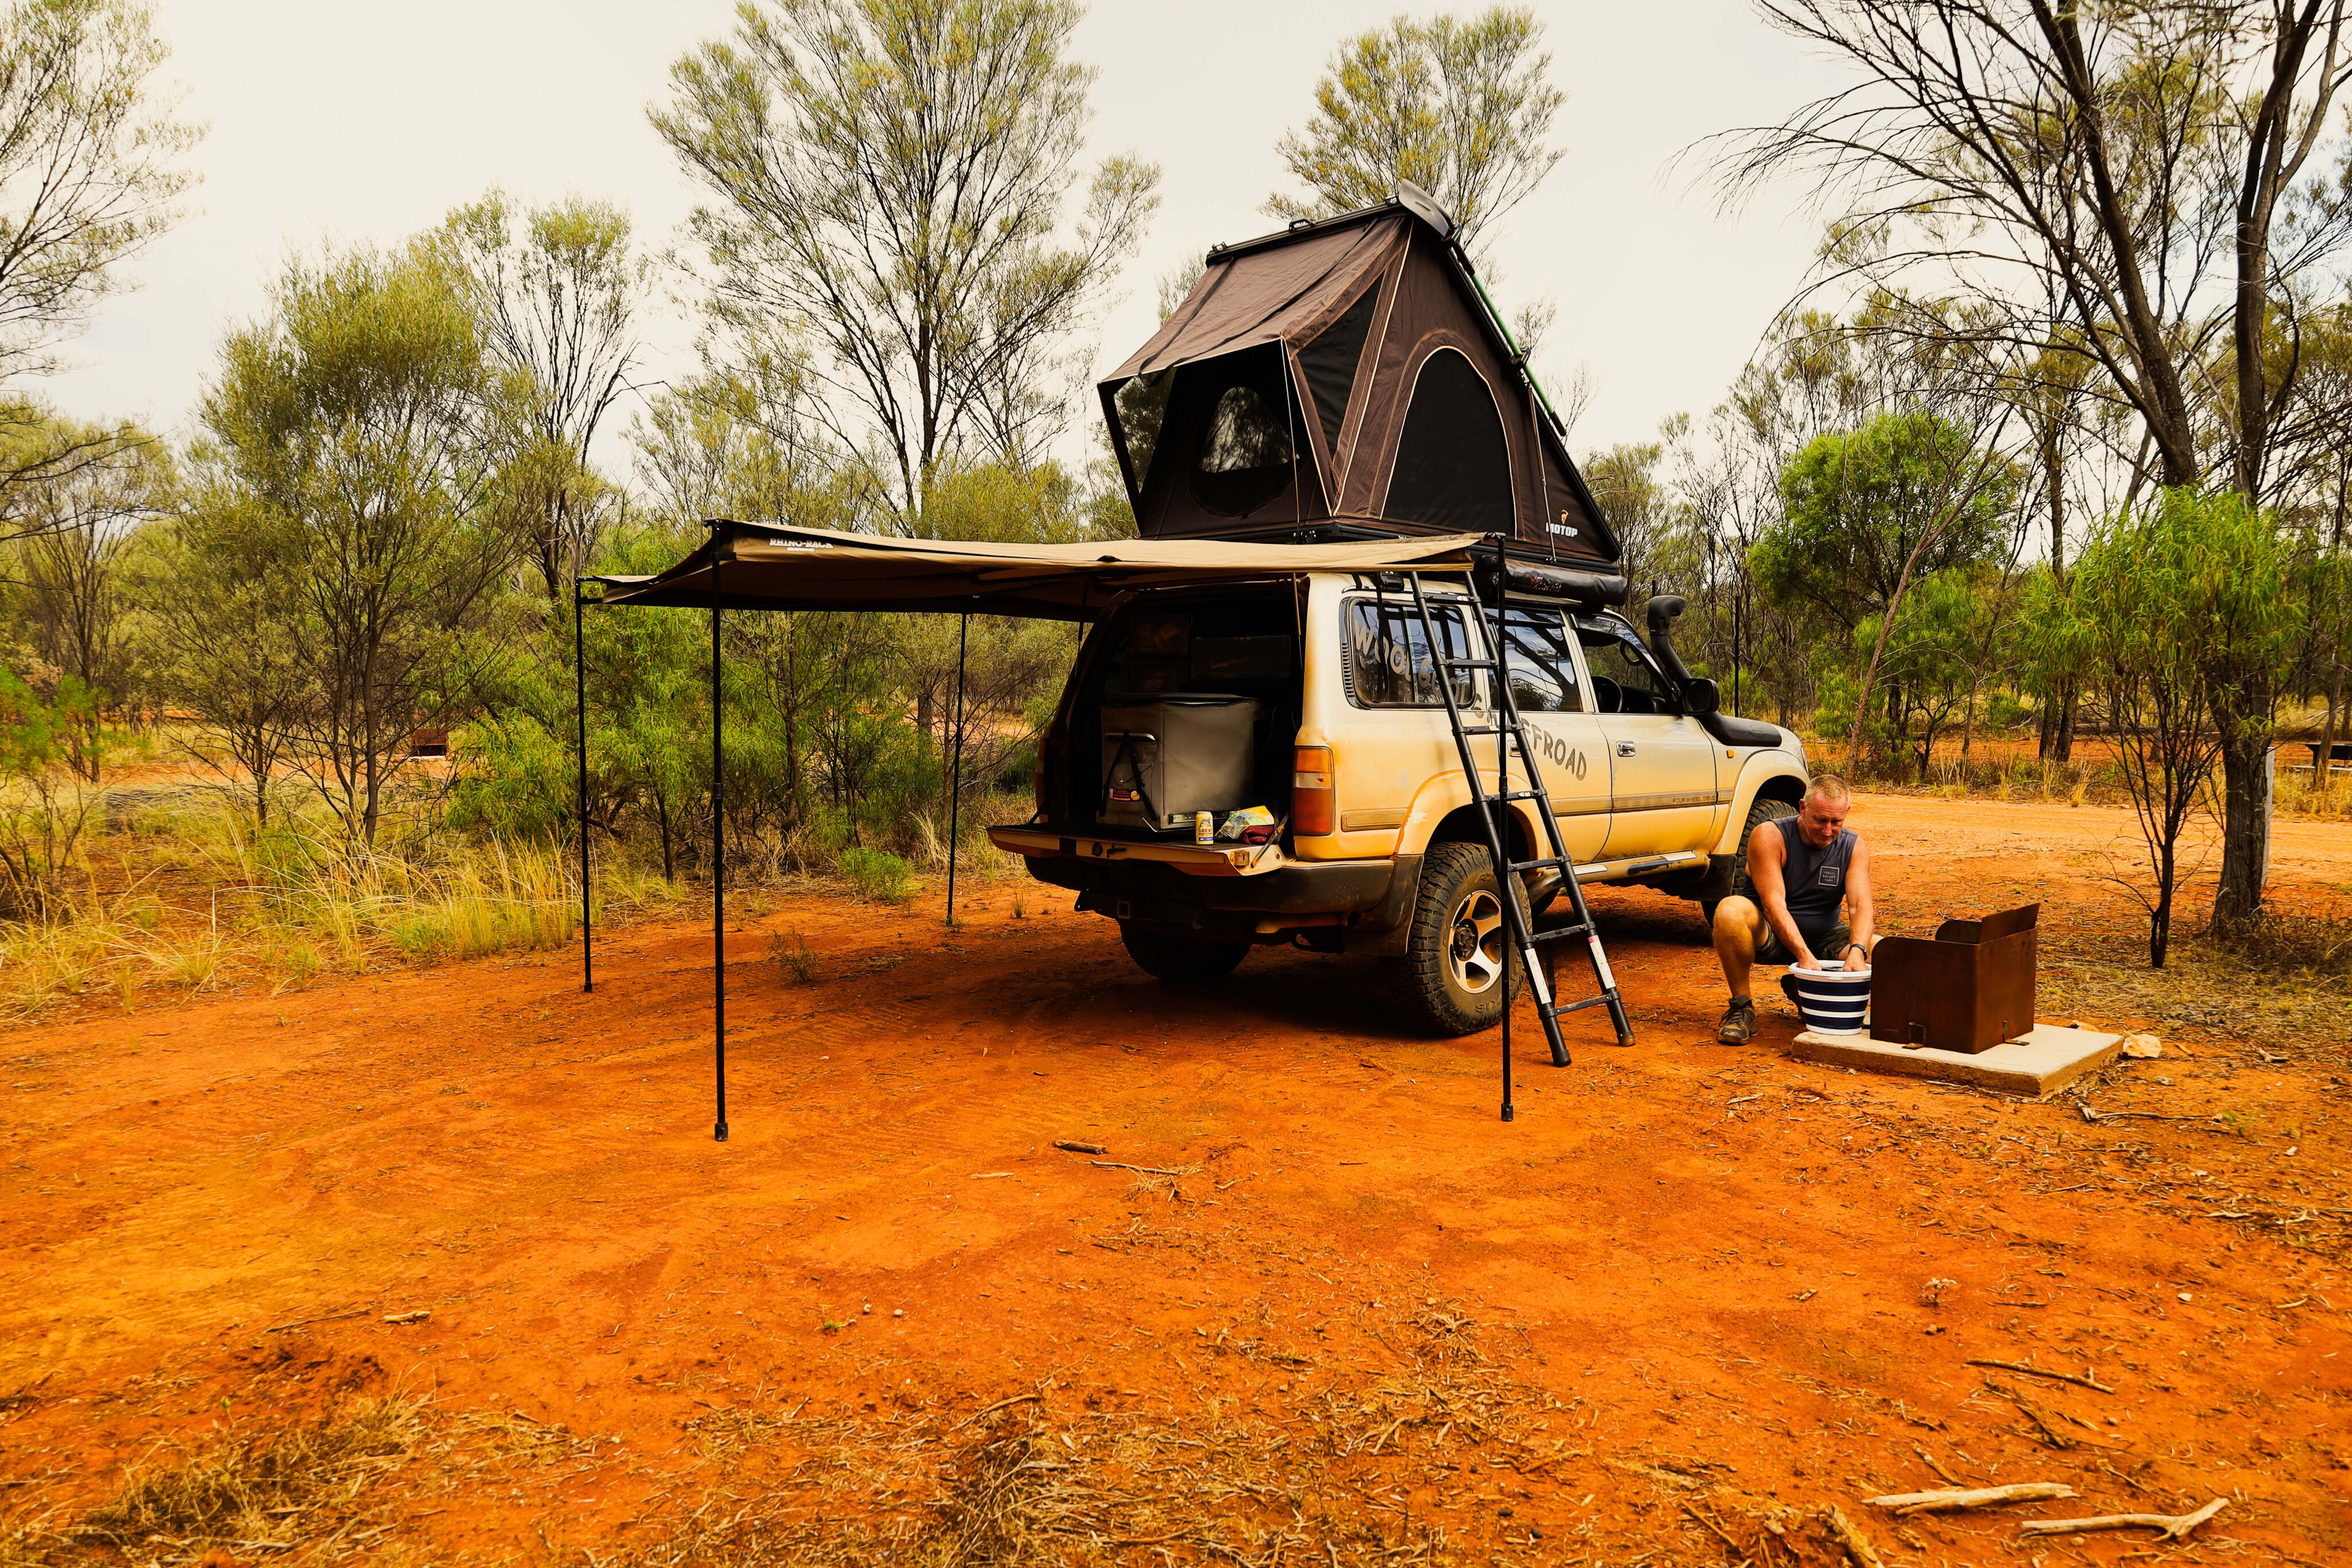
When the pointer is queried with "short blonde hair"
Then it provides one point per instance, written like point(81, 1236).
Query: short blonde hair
point(1830, 786)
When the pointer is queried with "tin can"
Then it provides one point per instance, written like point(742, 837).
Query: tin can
point(1205, 827)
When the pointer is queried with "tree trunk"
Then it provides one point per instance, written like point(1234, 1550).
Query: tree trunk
point(2245, 825)
point(2063, 750)
point(2159, 919)
point(2319, 774)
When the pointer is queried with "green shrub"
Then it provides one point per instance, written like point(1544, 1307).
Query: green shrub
point(879, 875)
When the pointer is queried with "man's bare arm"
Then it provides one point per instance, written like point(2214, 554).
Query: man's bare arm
point(1768, 855)
point(1861, 913)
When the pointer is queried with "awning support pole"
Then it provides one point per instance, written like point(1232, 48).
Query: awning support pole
point(580, 715)
point(955, 767)
point(718, 868)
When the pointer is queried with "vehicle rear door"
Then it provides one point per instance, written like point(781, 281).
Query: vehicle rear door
point(1661, 762)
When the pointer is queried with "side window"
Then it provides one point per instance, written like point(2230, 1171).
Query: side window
point(1543, 672)
point(1389, 660)
point(1624, 679)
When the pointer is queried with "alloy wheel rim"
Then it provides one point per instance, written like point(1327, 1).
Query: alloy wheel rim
point(1474, 943)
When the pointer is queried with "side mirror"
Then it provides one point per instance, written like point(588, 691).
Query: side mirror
point(1701, 696)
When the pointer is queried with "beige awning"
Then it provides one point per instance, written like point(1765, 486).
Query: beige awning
point(766, 566)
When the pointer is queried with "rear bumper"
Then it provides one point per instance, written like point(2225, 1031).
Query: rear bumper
point(1366, 896)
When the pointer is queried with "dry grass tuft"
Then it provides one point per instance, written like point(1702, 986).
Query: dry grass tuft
point(273, 1490)
point(2283, 983)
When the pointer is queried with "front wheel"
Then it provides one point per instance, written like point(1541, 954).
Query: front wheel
point(1179, 960)
point(1451, 976)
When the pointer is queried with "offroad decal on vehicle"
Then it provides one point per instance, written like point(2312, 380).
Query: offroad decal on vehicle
point(1556, 751)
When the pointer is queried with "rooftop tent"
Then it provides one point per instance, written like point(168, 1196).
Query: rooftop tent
point(1346, 378)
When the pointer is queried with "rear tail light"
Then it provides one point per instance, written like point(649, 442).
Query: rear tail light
point(1312, 795)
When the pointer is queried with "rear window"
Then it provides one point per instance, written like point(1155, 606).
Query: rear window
point(1389, 659)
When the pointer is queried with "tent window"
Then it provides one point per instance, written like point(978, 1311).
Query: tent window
point(1452, 465)
point(1138, 409)
point(1330, 360)
point(1245, 453)
point(1244, 433)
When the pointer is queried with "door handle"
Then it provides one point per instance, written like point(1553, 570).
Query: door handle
point(1625, 749)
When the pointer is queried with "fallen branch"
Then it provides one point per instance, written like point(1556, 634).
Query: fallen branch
point(1857, 1545)
point(2173, 1525)
point(1076, 1147)
point(1147, 1170)
point(417, 1315)
point(2043, 1372)
point(1910, 1502)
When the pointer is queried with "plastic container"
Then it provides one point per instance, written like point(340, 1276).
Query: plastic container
point(1832, 999)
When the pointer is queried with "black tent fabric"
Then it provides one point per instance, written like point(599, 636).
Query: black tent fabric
point(1344, 379)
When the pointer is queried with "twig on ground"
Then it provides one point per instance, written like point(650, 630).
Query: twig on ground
point(2042, 1372)
point(1075, 1147)
point(1857, 1545)
point(991, 1409)
point(2174, 1525)
point(1720, 1533)
point(1147, 1170)
point(1929, 1460)
point(1911, 1502)
point(2033, 1412)
point(327, 1318)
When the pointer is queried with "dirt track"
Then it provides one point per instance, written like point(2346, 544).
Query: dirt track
point(1693, 1274)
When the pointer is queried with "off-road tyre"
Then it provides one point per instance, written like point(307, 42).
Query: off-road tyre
point(1435, 981)
point(1179, 960)
point(1763, 811)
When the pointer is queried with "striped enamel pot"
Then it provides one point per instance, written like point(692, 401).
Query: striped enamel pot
point(1832, 999)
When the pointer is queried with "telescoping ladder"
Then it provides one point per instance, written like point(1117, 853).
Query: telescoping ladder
point(1494, 810)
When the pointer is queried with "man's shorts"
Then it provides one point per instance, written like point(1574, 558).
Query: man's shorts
point(1771, 950)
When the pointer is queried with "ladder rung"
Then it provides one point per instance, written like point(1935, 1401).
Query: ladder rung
point(1517, 795)
point(1599, 1001)
point(1554, 863)
point(1560, 933)
point(1488, 729)
point(1468, 664)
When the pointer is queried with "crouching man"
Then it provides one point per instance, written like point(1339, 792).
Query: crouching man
point(1803, 871)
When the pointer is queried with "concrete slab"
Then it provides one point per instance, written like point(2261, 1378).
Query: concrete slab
point(2040, 1062)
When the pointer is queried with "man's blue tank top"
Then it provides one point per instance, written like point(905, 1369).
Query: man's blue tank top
point(1814, 879)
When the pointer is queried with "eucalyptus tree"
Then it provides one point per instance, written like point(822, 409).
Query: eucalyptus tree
point(1462, 107)
point(342, 433)
point(2137, 175)
point(555, 291)
point(91, 172)
point(887, 187)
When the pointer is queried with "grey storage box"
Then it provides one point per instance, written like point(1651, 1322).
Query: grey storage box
point(1166, 759)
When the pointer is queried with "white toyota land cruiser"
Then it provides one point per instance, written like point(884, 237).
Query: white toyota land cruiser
point(1305, 715)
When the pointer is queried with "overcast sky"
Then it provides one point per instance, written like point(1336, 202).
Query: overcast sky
point(350, 121)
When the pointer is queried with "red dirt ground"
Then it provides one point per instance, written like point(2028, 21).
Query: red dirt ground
point(1699, 1270)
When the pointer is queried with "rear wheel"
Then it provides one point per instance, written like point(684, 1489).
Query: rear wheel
point(1179, 960)
point(1761, 812)
point(1450, 977)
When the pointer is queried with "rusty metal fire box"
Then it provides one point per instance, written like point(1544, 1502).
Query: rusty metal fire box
point(1968, 988)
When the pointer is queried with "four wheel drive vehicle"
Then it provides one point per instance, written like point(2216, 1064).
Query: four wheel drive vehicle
point(1305, 714)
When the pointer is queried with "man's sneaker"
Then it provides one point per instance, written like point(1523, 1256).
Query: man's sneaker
point(1739, 1022)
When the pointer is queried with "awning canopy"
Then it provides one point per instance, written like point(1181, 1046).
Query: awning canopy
point(768, 566)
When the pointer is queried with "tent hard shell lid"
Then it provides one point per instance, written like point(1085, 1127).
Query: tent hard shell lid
point(765, 565)
point(1347, 379)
